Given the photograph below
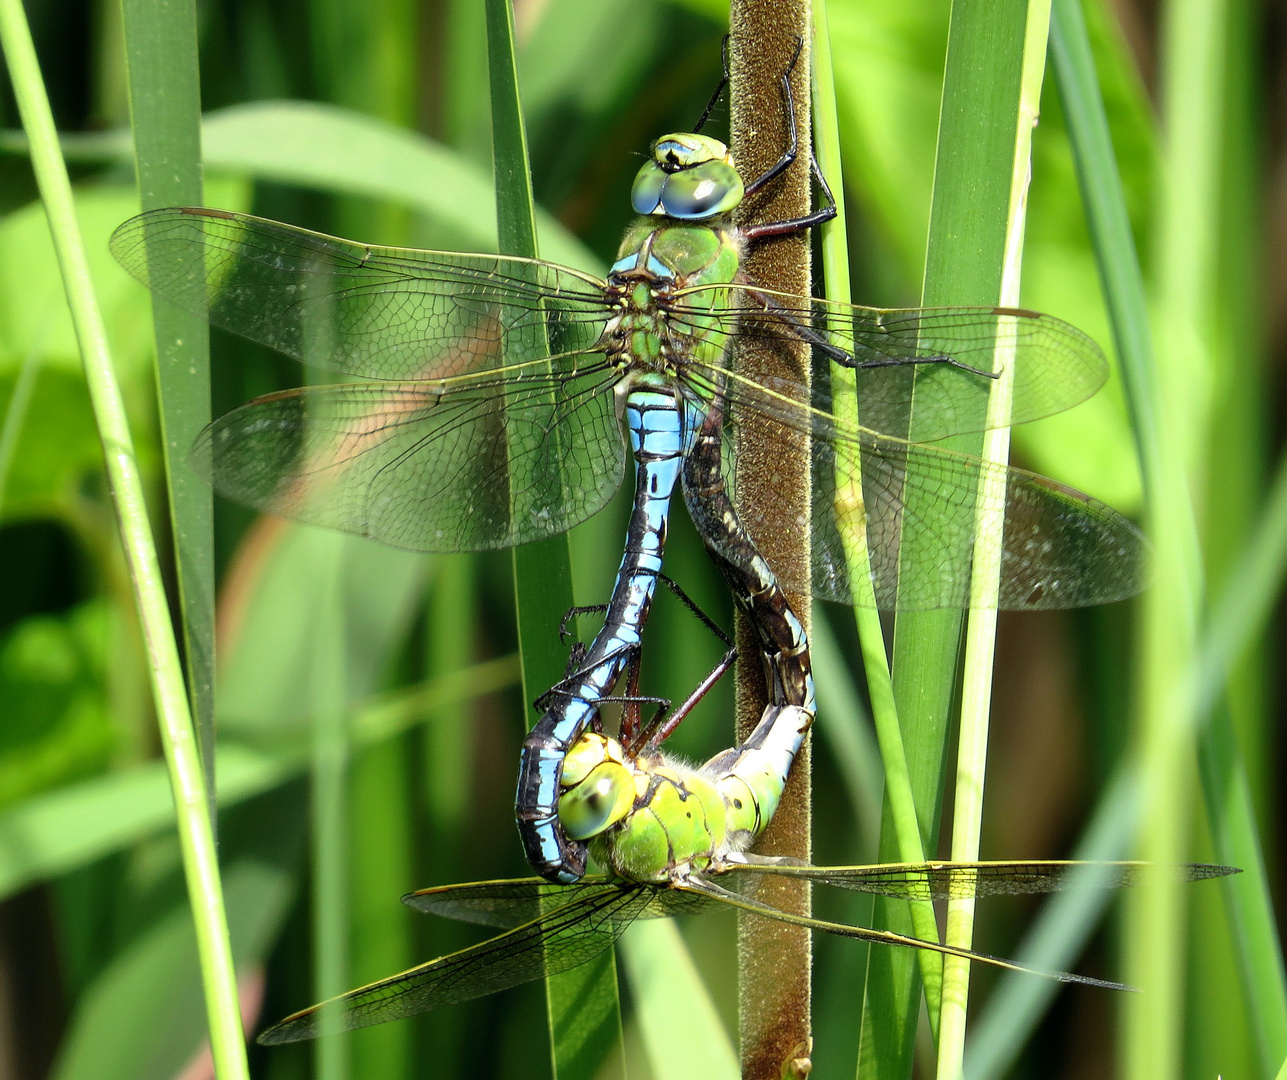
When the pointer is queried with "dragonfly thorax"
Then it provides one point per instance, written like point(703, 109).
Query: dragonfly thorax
point(656, 290)
point(648, 818)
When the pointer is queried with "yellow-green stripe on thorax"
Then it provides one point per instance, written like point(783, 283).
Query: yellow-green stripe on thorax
point(659, 323)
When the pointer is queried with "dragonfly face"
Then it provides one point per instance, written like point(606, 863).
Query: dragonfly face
point(690, 178)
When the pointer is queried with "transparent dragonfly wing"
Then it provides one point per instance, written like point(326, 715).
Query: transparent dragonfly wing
point(514, 901)
point(556, 941)
point(716, 891)
point(487, 423)
point(961, 881)
point(1060, 548)
point(1053, 365)
point(374, 312)
point(465, 464)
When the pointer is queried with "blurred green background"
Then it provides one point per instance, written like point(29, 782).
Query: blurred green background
point(97, 963)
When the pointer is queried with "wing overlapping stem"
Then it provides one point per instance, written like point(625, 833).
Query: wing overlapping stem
point(558, 940)
point(1060, 548)
point(389, 313)
point(944, 355)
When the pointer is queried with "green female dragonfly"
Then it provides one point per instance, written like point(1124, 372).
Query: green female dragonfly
point(674, 840)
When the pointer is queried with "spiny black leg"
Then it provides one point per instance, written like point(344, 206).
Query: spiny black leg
point(719, 90)
point(691, 604)
point(784, 228)
point(575, 672)
point(789, 154)
point(661, 729)
point(838, 355)
point(573, 612)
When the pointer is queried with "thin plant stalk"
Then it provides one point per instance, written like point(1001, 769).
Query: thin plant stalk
point(196, 837)
point(330, 824)
point(871, 636)
point(1193, 51)
point(774, 961)
point(985, 574)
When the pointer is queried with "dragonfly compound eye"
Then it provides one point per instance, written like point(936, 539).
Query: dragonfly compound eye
point(690, 177)
point(602, 799)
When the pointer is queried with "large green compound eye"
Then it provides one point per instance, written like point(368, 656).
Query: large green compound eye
point(645, 195)
point(702, 191)
point(602, 799)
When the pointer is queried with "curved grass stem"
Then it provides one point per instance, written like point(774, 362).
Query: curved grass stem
point(187, 780)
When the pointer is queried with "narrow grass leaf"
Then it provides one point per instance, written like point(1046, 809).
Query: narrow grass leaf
point(584, 1011)
point(178, 737)
point(165, 118)
point(682, 1032)
point(985, 573)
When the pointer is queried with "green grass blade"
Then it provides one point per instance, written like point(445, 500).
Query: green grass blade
point(188, 782)
point(72, 826)
point(1234, 620)
point(985, 577)
point(871, 635)
point(584, 1010)
point(165, 117)
point(969, 216)
point(681, 1030)
point(329, 803)
point(774, 960)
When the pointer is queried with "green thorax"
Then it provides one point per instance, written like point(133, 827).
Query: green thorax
point(655, 819)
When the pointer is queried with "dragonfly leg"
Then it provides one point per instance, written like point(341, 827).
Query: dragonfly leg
point(573, 612)
point(719, 90)
point(691, 604)
point(661, 727)
point(789, 154)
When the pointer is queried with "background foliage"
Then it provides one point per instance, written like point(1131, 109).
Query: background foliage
point(97, 968)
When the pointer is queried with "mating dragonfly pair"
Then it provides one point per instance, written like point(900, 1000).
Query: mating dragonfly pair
point(489, 413)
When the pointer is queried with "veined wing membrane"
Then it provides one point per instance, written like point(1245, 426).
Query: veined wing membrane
point(1054, 366)
point(960, 881)
point(1060, 548)
point(884, 937)
point(385, 313)
point(515, 901)
point(427, 466)
point(557, 941)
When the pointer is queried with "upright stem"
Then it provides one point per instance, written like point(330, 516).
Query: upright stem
point(985, 575)
point(775, 960)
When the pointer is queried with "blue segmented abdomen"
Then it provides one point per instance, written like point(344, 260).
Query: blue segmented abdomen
point(659, 431)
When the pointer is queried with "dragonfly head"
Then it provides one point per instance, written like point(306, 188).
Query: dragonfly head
point(688, 177)
point(598, 787)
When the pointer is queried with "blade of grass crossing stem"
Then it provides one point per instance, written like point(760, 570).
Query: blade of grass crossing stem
point(584, 1006)
point(774, 960)
point(187, 780)
point(969, 218)
point(165, 116)
point(871, 636)
point(985, 573)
